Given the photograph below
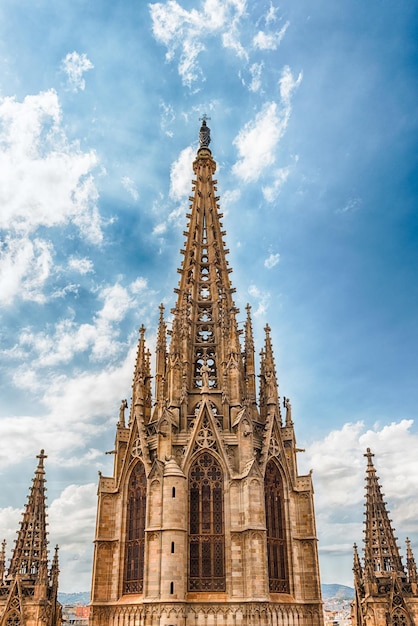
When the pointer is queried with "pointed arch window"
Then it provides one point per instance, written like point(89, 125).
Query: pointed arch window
point(276, 536)
point(13, 619)
point(135, 531)
point(399, 618)
point(206, 525)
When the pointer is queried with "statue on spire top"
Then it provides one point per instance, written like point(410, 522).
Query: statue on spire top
point(204, 133)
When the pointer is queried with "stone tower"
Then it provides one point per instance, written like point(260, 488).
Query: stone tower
point(205, 519)
point(28, 593)
point(385, 593)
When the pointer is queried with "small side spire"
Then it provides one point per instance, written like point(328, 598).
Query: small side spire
point(268, 371)
point(410, 563)
point(2, 561)
point(381, 553)
point(161, 359)
point(139, 391)
point(30, 552)
point(249, 360)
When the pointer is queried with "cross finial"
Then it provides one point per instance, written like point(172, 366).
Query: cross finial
point(41, 456)
point(204, 118)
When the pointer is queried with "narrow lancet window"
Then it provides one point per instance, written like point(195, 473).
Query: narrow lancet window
point(206, 525)
point(276, 537)
point(135, 531)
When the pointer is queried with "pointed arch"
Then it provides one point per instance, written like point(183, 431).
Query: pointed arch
point(135, 530)
point(13, 619)
point(400, 618)
point(206, 524)
point(276, 534)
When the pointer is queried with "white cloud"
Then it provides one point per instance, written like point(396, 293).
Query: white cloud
point(25, 266)
point(272, 260)
point(351, 206)
point(269, 41)
point(130, 187)
point(82, 266)
point(185, 31)
point(339, 477)
point(75, 65)
point(101, 337)
point(262, 299)
point(271, 15)
point(271, 192)
point(257, 141)
point(256, 71)
point(44, 180)
point(72, 523)
point(181, 175)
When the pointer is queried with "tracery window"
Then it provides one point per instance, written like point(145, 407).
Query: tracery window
point(206, 525)
point(276, 536)
point(135, 531)
point(399, 618)
point(13, 619)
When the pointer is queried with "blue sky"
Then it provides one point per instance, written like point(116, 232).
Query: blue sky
point(314, 119)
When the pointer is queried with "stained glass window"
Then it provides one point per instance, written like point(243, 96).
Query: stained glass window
point(206, 525)
point(135, 531)
point(276, 538)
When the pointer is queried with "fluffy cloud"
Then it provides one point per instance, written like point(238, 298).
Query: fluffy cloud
point(44, 179)
point(130, 187)
point(179, 29)
point(25, 266)
point(82, 266)
point(72, 519)
point(75, 65)
point(45, 182)
point(269, 41)
point(257, 141)
point(272, 260)
point(339, 477)
point(100, 337)
point(262, 299)
point(181, 175)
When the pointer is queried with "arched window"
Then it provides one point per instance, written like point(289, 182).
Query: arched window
point(135, 531)
point(399, 618)
point(276, 537)
point(13, 619)
point(206, 525)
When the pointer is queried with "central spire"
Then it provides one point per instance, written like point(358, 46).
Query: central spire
point(205, 353)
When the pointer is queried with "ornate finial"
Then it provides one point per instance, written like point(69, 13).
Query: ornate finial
point(204, 133)
point(41, 456)
point(369, 454)
point(142, 331)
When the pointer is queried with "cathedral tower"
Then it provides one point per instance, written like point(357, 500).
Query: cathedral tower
point(28, 593)
point(205, 519)
point(385, 593)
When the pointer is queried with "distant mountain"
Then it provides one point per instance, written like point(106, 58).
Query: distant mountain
point(82, 598)
point(340, 592)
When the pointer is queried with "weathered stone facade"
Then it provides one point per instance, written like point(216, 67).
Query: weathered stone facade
point(385, 594)
point(28, 591)
point(205, 519)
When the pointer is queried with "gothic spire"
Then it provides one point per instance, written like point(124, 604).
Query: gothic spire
point(160, 369)
point(205, 347)
point(410, 563)
point(249, 360)
point(141, 387)
point(30, 553)
point(2, 561)
point(381, 554)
